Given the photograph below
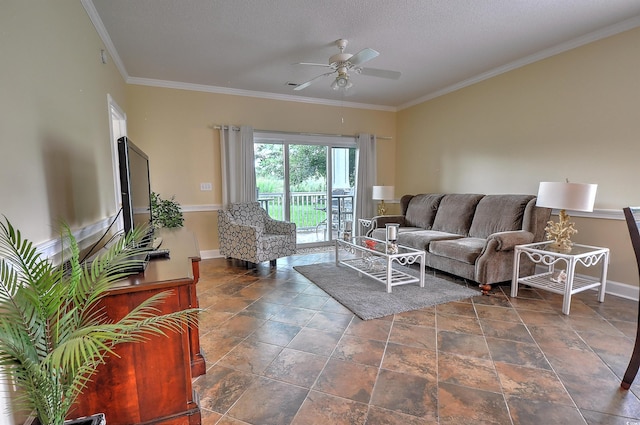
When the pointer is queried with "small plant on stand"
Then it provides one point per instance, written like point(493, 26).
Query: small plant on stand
point(53, 332)
point(165, 212)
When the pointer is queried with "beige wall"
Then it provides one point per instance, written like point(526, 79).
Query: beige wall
point(175, 128)
point(54, 127)
point(55, 154)
point(574, 115)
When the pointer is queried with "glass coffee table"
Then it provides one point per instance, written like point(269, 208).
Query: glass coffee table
point(375, 259)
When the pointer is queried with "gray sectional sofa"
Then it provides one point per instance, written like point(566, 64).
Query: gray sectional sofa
point(468, 235)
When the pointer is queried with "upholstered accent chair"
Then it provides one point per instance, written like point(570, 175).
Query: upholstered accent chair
point(247, 233)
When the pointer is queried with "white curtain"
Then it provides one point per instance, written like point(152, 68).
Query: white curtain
point(237, 160)
point(366, 178)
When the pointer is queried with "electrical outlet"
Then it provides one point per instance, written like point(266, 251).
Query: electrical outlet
point(206, 186)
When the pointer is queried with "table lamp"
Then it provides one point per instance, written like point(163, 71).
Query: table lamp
point(380, 193)
point(565, 196)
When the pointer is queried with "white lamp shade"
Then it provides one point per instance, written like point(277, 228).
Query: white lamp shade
point(381, 193)
point(567, 196)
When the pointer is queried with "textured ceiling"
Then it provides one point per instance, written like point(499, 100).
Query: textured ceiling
point(252, 47)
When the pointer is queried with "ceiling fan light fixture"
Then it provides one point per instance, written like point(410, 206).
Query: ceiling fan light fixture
point(341, 82)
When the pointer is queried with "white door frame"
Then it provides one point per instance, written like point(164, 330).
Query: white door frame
point(117, 129)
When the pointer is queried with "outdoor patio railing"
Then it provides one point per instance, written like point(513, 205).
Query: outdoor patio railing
point(308, 209)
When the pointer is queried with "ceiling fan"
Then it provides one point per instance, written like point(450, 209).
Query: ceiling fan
point(342, 63)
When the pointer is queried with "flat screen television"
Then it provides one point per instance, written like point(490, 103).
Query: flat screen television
point(135, 187)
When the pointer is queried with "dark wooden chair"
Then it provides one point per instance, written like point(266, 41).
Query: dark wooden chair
point(632, 216)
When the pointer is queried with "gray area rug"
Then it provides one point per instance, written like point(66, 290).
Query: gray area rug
point(368, 299)
point(315, 250)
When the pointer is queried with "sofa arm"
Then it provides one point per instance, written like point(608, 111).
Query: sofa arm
point(279, 227)
point(506, 241)
point(246, 232)
point(381, 220)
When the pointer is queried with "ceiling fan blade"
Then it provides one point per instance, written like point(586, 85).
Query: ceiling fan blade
point(308, 83)
point(315, 64)
point(363, 56)
point(383, 73)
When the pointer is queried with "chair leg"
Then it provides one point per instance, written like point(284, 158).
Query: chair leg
point(634, 363)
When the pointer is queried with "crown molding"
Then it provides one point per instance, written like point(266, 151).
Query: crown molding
point(249, 93)
point(104, 36)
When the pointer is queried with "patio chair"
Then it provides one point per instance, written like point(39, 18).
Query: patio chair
point(341, 209)
point(247, 233)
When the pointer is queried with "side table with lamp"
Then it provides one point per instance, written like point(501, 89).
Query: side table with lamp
point(559, 249)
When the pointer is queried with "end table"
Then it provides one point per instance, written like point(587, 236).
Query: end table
point(364, 225)
point(560, 277)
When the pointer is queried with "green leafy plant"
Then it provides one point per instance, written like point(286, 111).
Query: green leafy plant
point(165, 212)
point(53, 334)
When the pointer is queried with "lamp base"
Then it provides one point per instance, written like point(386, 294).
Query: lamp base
point(561, 233)
point(381, 208)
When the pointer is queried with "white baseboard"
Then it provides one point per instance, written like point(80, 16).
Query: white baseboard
point(211, 253)
point(623, 290)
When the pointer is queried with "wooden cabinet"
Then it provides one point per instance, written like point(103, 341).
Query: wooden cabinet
point(150, 382)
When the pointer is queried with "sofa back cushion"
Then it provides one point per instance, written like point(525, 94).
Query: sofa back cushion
point(498, 213)
point(404, 203)
point(455, 213)
point(422, 209)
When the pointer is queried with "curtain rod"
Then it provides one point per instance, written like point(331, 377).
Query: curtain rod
point(234, 128)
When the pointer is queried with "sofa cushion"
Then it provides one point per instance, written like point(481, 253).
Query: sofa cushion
point(455, 213)
point(422, 238)
point(422, 210)
point(498, 213)
point(381, 232)
point(465, 250)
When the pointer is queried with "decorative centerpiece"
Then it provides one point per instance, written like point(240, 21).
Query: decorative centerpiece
point(560, 233)
point(559, 276)
point(392, 238)
point(370, 243)
point(348, 231)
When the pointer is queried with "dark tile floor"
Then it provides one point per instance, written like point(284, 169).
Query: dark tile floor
point(281, 351)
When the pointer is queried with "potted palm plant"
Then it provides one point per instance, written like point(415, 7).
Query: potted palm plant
point(53, 334)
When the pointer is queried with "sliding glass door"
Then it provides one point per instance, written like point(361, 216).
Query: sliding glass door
point(309, 180)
